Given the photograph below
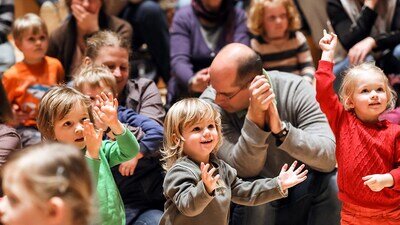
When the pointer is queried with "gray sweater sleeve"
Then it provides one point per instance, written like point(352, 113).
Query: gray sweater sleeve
point(253, 193)
point(310, 138)
point(186, 190)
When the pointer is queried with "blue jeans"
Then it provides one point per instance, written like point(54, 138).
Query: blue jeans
point(147, 217)
point(312, 202)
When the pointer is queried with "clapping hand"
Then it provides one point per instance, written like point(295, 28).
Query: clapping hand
point(93, 139)
point(290, 177)
point(107, 110)
point(210, 181)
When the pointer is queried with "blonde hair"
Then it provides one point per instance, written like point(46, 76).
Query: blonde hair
point(55, 105)
point(182, 114)
point(28, 22)
point(94, 76)
point(349, 82)
point(256, 15)
point(53, 170)
point(105, 39)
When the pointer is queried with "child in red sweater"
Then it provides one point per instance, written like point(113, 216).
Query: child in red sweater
point(367, 150)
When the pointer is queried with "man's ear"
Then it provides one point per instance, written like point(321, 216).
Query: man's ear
point(87, 61)
point(57, 210)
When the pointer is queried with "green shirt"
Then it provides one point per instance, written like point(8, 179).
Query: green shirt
point(111, 154)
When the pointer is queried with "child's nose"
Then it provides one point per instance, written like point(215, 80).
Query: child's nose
point(117, 72)
point(79, 128)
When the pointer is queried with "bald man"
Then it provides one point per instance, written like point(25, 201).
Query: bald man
point(269, 119)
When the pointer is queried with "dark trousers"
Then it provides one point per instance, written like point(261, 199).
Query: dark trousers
point(150, 27)
point(313, 202)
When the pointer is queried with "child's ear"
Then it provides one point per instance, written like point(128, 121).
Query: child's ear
point(349, 103)
point(87, 61)
point(17, 43)
point(56, 210)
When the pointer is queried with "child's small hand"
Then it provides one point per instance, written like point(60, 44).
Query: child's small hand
point(93, 139)
point(328, 44)
point(107, 110)
point(290, 177)
point(376, 182)
point(209, 181)
point(128, 168)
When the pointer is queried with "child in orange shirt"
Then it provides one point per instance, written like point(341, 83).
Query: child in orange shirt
point(27, 81)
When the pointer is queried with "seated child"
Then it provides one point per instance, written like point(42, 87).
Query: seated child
point(47, 184)
point(140, 179)
point(274, 25)
point(65, 115)
point(27, 81)
point(198, 186)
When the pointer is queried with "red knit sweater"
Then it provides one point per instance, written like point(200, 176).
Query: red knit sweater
point(361, 149)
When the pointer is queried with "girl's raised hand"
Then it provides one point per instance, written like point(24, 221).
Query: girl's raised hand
point(328, 44)
point(93, 139)
point(107, 110)
point(290, 177)
point(210, 181)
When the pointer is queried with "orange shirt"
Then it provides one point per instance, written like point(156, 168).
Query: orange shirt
point(26, 84)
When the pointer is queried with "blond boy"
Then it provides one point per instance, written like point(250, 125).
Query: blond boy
point(27, 81)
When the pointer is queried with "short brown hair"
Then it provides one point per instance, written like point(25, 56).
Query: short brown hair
point(103, 39)
point(55, 105)
point(27, 22)
point(256, 15)
point(93, 75)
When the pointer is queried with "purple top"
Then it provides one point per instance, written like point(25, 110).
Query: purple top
point(189, 51)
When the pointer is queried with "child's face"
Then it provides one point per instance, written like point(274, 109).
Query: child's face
point(70, 129)
point(18, 208)
point(34, 46)
point(92, 92)
point(275, 21)
point(370, 98)
point(200, 140)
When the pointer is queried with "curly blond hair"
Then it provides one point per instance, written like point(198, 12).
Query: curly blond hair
point(182, 114)
point(255, 21)
point(349, 82)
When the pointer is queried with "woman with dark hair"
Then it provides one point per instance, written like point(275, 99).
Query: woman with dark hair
point(9, 139)
point(198, 33)
point(67, 43)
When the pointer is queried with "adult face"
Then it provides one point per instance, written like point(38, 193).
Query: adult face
point(229, 96)
point(92, 6)
point(212, 5)
point(117, 60)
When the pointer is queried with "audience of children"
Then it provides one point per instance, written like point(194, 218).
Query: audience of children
point(66, 115)
point(198, 186)
point(367, 149)
point(27, 81)
point(47, 184)
point(275, 26)
point(140, 179)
